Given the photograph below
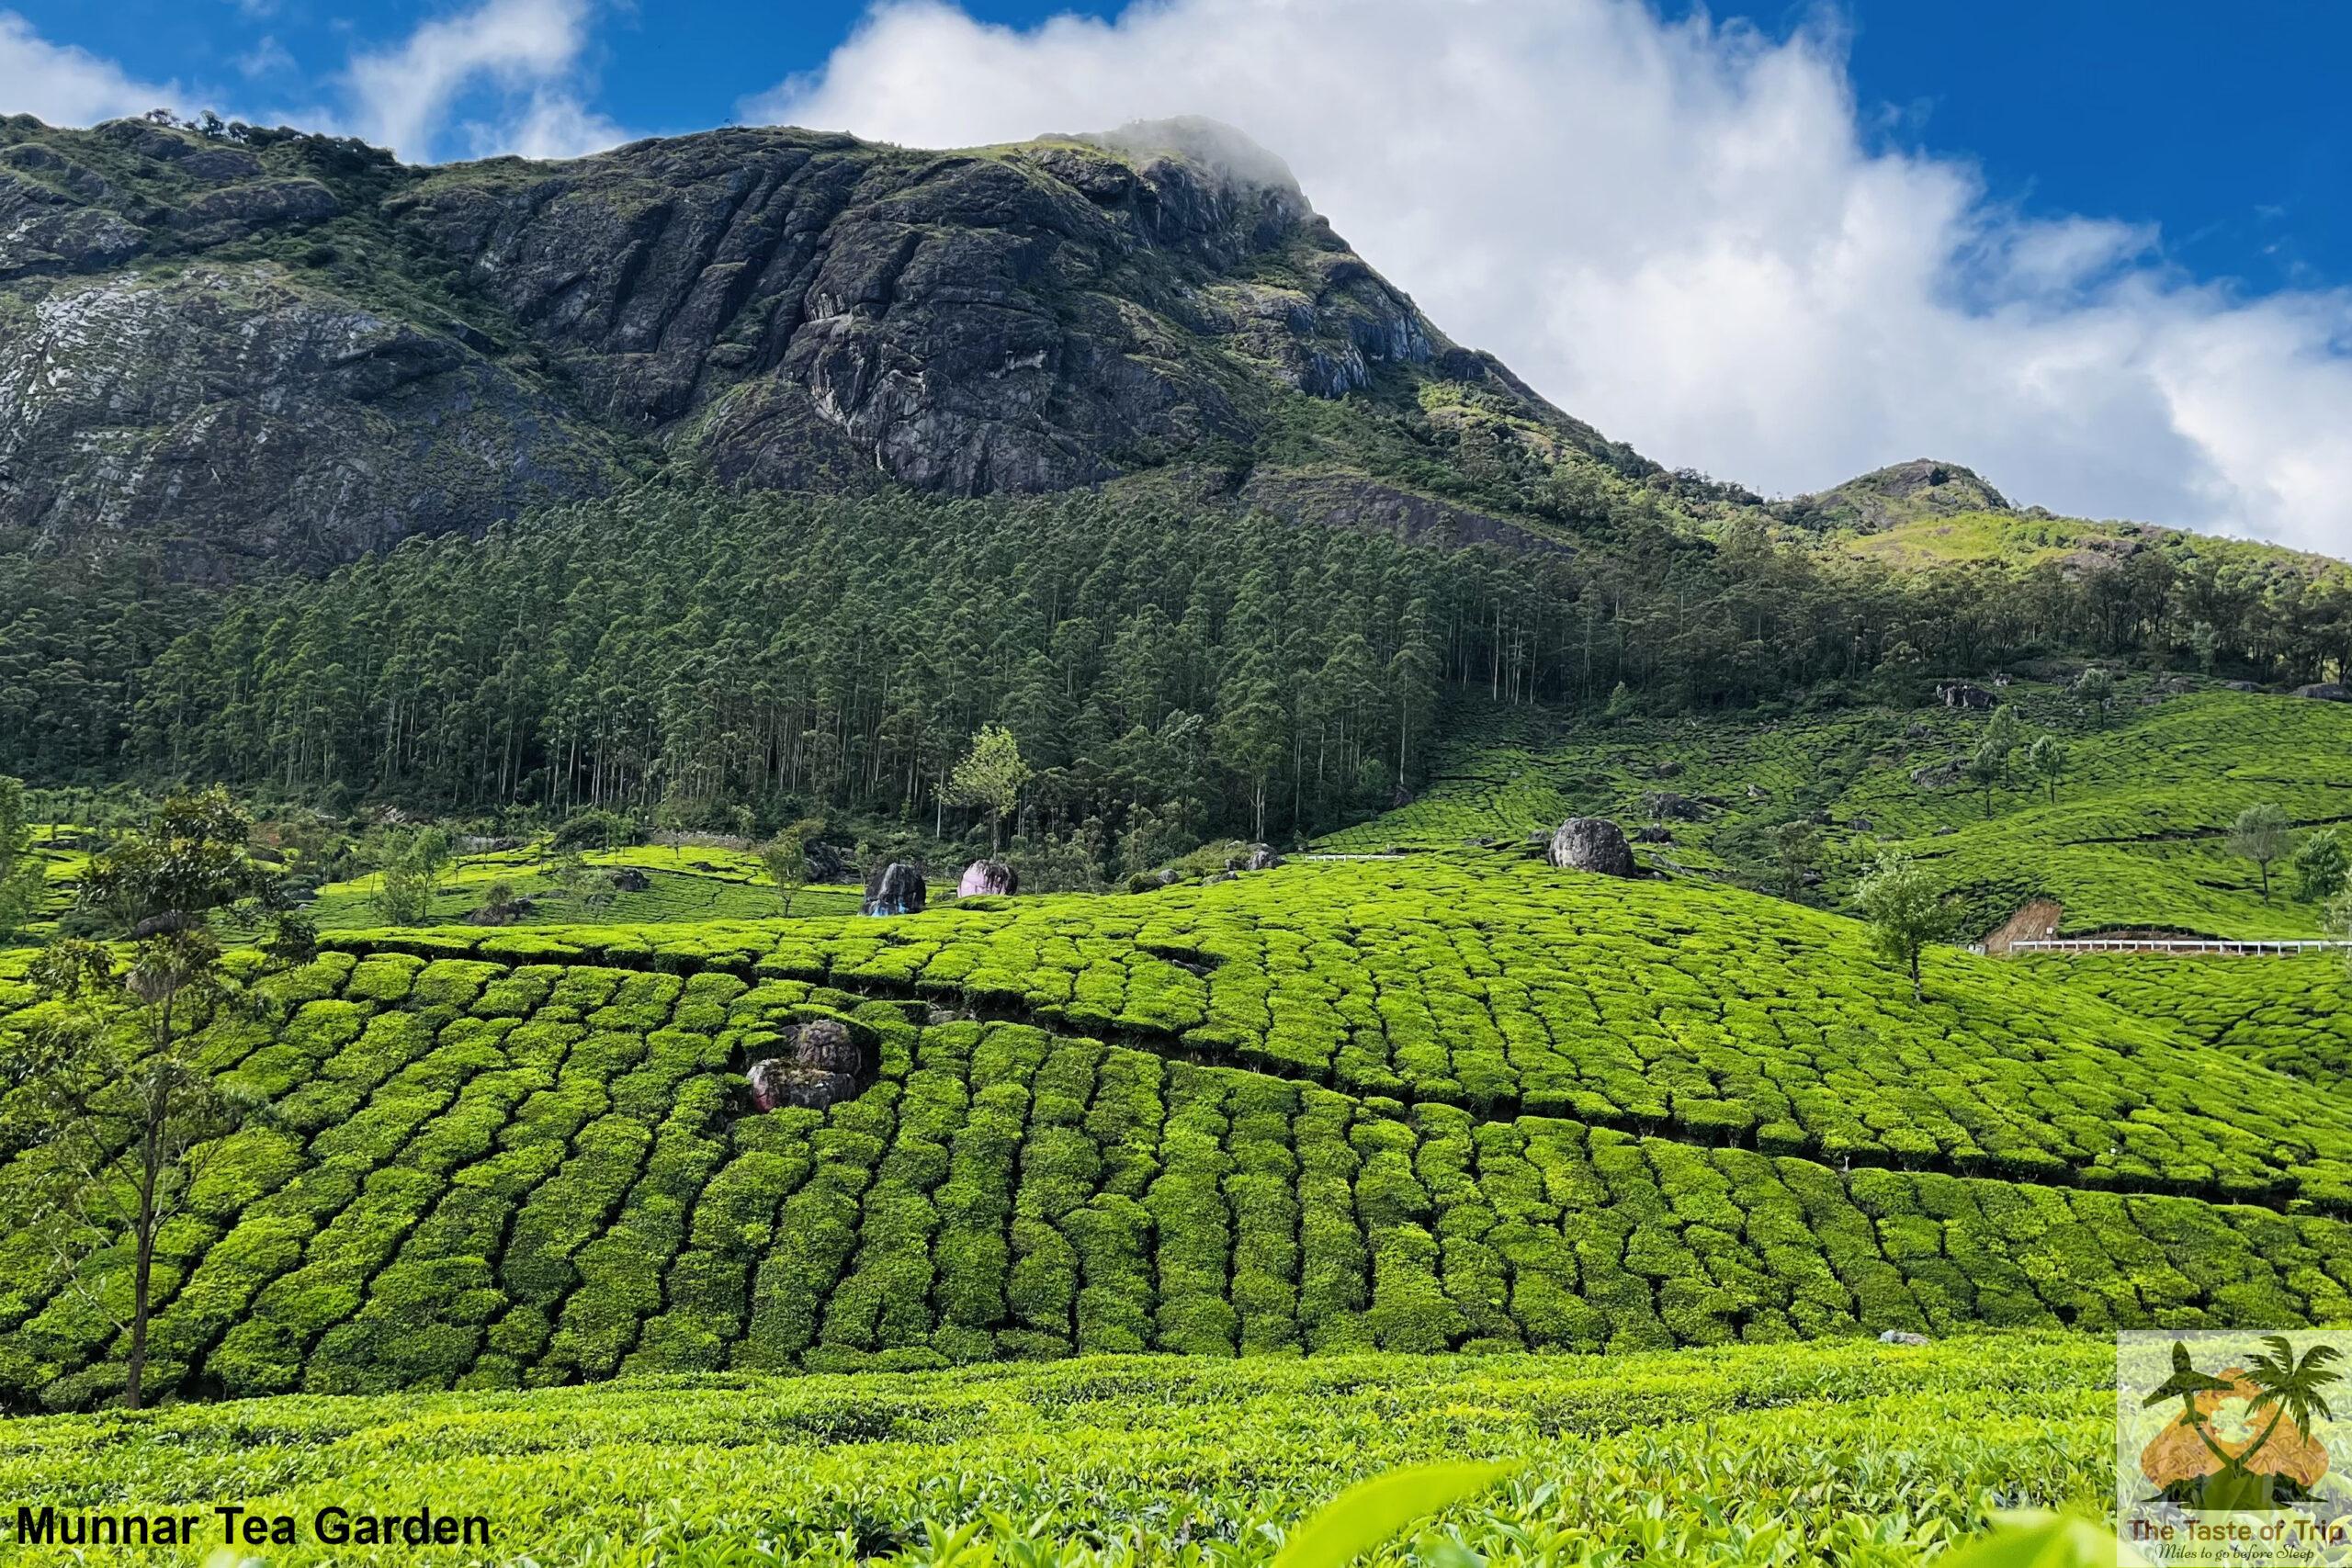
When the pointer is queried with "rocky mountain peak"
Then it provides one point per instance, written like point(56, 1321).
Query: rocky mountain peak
point(269, 347)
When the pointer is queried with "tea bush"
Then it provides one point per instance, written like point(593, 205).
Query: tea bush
point(1502, 986)
point(488, 1177)
point(1853, 1455)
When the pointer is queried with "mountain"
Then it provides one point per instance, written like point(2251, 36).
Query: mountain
point(1905, 492)
point(259, 348)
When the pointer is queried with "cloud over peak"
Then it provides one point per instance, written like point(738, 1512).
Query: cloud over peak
point(1685, 232)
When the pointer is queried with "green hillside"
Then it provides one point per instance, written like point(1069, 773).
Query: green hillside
point(1145, 1461)
point(2134, 839)
point(470, 742)
point(2292, 1015)
point(1421, 1105)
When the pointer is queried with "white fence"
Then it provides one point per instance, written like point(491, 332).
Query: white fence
point(2181, 945)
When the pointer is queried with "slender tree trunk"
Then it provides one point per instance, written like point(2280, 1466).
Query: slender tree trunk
point(144, 1274)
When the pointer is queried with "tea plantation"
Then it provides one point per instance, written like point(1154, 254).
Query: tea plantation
point(1813, 1454)
point(1441, 1103)
point(699, 882)
point(2292, 1015)
point(2134, 836)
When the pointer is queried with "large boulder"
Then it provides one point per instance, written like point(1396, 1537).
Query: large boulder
point(2327, 692)
point(1591, 843)
point(630, 879)
point(896, 889)
point(777, 1083)
point(1260, 857)
point(821, 1064)
point(988, 879)
point(1961, 695)
point(826, 1043)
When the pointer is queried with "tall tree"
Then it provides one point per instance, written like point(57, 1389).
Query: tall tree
point(1250, 724)
point(1906, 911)
point(1797, 846)
point(2047, 758)
point(2322, 864)
point(22, 880)
point(127, 1106)
point(785, 858)
point(2095, 689)
point(1984, 768)
point(2260, 834)
point(991, 777)
point(2002, 734)
point(190, 860)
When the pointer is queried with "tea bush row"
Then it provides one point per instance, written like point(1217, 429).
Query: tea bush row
point(1505, 986)
point(488, 1178)
point(1855, 1455)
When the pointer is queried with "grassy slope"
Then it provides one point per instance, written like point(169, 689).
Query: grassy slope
point(2134, 838)
point(2008, 537)
point(1818, 1449)
point(534, 1174)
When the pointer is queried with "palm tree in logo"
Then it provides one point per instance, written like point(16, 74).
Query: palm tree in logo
point(2185, 1385)
point(2290, 1388)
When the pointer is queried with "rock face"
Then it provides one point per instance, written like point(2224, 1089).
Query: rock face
point(259, 420)
point(1591, 843)
point(987, 878)
point(896, 889)
point(821, 1064)
point(785, 307)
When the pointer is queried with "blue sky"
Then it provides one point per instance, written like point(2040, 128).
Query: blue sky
point(2097, 252)
point(2224, 124)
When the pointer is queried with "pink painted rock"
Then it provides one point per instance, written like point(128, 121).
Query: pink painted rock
point(987, 878)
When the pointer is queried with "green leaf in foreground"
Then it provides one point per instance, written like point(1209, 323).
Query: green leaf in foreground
point(1371, 1511)
point(2028, 1539)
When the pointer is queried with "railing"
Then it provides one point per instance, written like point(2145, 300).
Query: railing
point(2188, 944)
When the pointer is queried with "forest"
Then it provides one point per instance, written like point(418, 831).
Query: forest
point(694, 653)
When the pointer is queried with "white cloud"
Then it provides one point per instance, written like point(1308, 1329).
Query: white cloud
point(65, 85)
point(267, 58)
point(504, 77)
point(526, 53)
point(551, 124)
point(1681, 232)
